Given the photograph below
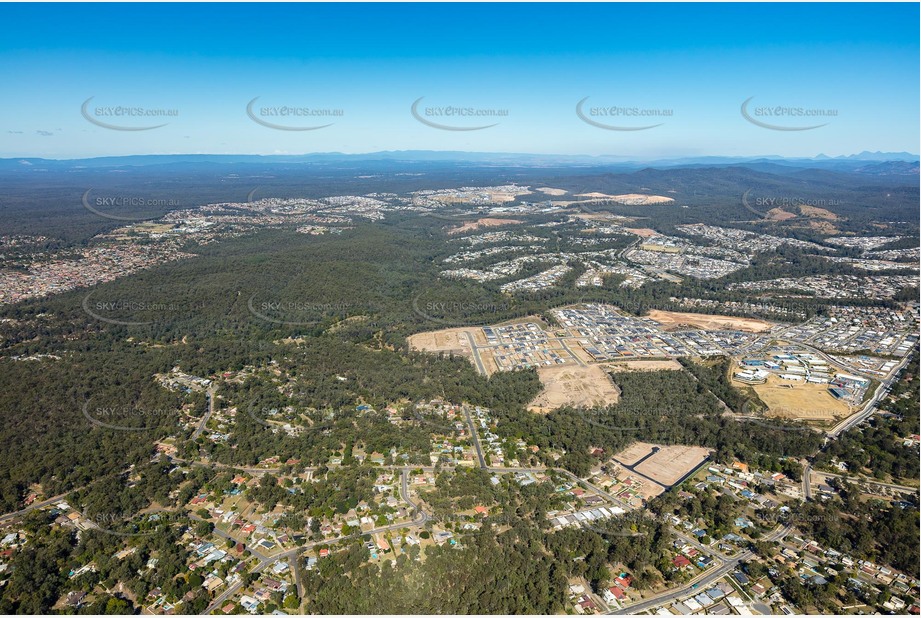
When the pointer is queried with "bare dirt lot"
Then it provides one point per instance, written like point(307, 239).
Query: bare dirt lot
point(631, 199)
point(646, 489)
point(574, 386)
point(819, 213)
point(824, 227)
point(484, 222)
point(595, 194)
point(496, 197)
point(643, 232)
point(667, 465)
point(673, 319)
point(638, 199)
point(662, 468)
point(633, 453)
point(673, 462)
point(779, 214)
point(447, 340)
point(799, 400)
point(551, 191)
point(643, 365)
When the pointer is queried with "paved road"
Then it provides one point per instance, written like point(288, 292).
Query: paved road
point(298, 580)
point(852, 421)
point(404, 493)
point(204, 419)
point(700, 546)
point(700, 582)
point(45, 502)
point(224, 535)
point(475, 353)
point(476, 438)
point(594, 488)
point(807, 481)
point(222, 466)
point(571, 353)
point(857, 479)
point(293, 554)
point(37, 505)
point(781, 334)
point(870, 407)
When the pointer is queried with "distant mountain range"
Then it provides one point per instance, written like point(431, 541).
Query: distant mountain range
point(877, 163)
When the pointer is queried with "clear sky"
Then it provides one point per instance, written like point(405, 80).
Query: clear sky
point(693, 65)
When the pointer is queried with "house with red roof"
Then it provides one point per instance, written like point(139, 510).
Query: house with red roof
point(614, 593)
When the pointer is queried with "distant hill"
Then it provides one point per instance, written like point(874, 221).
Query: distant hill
point(771, 164)
point(890, 168)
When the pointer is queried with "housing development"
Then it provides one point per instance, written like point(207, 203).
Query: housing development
point(247, 547)
point(491, 309)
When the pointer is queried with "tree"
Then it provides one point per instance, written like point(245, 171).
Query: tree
point(292, 602)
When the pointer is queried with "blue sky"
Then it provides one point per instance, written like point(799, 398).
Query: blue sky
point(693, 65)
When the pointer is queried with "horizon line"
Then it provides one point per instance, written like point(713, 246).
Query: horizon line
point(622, 158)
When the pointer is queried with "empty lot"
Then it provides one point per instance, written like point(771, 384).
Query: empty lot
point(798, 400)
point(570, 385)
point(674, 319)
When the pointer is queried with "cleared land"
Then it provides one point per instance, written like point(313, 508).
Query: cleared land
point(484, 222)
point(633, 453)
point(824, 227)
point(799, 400)
point(448, 340)
point(672, 462)
point(779, 214)
point(551, 191)
point(574, 386)
point(638, 199)
point(631, 199)
point(673, 319)
point(644, 365)
point(819, 213)
point(639, 489)
point(495, 197)
point(662, 469)
point(595, 194)
point(643, 232)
